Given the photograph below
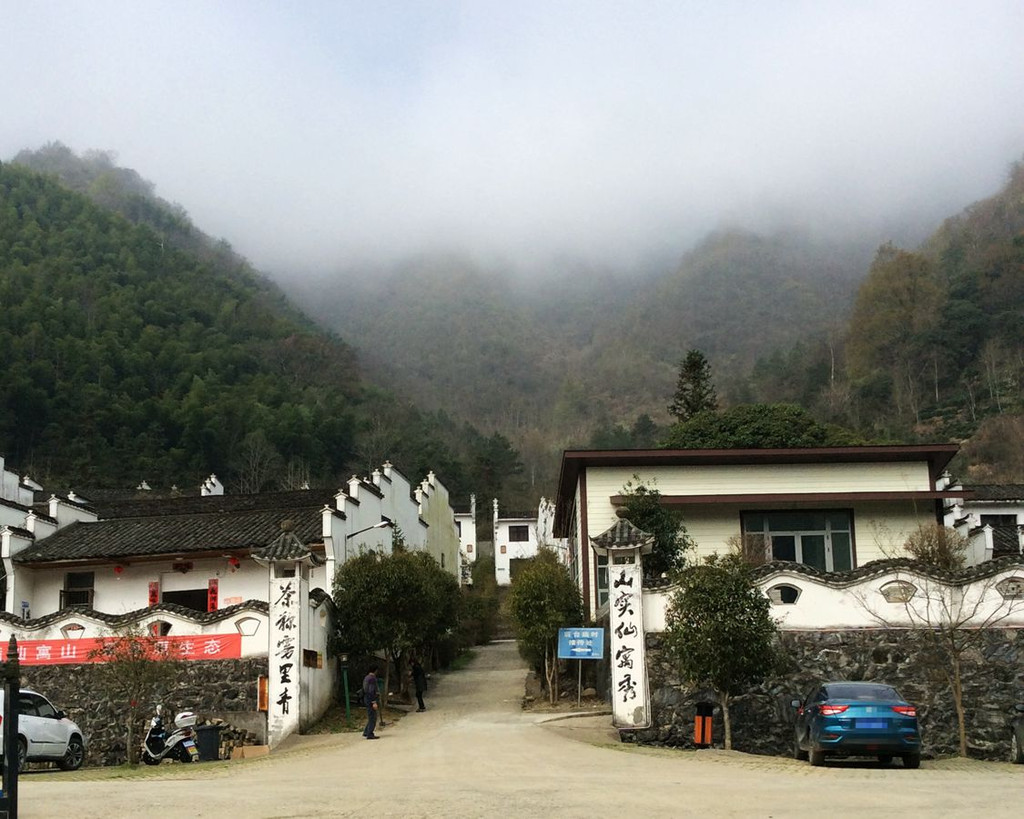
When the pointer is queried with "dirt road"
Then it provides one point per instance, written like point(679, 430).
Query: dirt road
point(474, 752)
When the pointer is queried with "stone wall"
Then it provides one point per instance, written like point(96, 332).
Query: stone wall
point(211, 688)
point(762, 720)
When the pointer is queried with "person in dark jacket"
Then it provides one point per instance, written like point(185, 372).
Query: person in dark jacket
point(370, 696)
point(419, 680)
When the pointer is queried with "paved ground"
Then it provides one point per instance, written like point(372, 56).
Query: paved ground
point(476, 753)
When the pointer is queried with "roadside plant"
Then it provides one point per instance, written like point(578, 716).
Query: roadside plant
point(543, 598)
point(393, 603)
point(644, 510)
point(719, 630)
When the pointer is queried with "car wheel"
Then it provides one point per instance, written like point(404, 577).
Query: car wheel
point(22, 755)
point(74, 756)
point(798, 752)
point(817, 758)
point(1016, 748)
point(885, 760)
point(911, 760)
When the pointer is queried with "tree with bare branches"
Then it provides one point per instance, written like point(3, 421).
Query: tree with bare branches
point(952, 608)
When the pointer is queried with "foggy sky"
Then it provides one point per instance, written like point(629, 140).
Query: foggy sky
point(314, 134)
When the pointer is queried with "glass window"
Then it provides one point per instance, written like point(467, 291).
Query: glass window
point(602, 579)
point(822, 539)
point(78, 589)
point(998, 520)
point(518, 534)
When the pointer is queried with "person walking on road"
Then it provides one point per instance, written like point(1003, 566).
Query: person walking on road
point(419, 680)
point(370, 697)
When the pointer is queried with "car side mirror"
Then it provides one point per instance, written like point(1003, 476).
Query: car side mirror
point(795, 703)
point(61, 714)
point(1019, 707)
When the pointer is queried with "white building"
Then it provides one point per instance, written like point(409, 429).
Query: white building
point(991, 517)
point(831, 508)
point(205, 566)
point(519, 536)
point(465, 525)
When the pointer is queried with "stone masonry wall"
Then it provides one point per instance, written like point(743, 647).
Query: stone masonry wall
point(209, 688)
point(762, 720)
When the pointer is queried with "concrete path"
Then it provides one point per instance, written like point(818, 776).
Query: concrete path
point(474, 752)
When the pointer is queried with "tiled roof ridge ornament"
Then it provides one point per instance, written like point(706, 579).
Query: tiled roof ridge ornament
point(286, 548)
point(623, 535)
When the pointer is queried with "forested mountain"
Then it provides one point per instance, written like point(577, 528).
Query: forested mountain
point(915, 345)
point(133, 352)
point(132, 345)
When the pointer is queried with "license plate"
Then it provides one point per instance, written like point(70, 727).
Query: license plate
point(875, 724)
point(190, 746)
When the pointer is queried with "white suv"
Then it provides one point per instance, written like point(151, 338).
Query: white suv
point(44, 733)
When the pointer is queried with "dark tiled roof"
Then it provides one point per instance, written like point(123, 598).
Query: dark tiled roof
point(15, 505)
point(318, 596)
point(996, 491)
point(146, 507)
point(287, 547)
point(873, 568)
point(622, 535)
point(173, 534)
point(1005, 541)
point(879, 567)
point(116, 620)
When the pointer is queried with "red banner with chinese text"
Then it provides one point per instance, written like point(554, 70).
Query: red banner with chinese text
point(88, 649)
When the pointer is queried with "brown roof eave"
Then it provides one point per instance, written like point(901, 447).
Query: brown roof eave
point(794, 497)
point(937, 456)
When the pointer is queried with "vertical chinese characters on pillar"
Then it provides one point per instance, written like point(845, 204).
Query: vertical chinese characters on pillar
point(284, 650)
point(629, 674)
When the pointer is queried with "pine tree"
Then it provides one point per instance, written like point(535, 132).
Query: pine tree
point(694, 391)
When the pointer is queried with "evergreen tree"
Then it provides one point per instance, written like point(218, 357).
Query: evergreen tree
point(695, 391)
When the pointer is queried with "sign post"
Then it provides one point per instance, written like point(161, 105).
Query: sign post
point(580, 644)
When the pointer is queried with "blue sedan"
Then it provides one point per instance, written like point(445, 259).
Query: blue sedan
point(840, 719)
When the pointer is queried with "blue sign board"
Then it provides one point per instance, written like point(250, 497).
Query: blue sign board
point(580, 643)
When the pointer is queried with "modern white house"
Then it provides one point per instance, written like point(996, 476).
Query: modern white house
point(833, 509)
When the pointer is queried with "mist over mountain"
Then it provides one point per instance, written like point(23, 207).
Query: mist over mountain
point(525, 134)
point(916, 344)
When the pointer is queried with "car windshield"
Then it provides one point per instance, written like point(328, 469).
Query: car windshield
point(862, 691)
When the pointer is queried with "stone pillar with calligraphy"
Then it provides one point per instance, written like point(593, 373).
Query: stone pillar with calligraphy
point(288, 560)
point(624, 545)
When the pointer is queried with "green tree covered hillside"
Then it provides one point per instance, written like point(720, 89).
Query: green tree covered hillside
point(121, 354)
point(134, 352)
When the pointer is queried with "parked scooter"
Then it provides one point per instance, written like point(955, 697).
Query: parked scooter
point(157, 745)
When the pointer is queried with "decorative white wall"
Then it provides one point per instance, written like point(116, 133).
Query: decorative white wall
point(822, 603)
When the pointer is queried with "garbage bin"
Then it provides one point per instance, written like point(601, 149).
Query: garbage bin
point(208, 742)
point(701, 725)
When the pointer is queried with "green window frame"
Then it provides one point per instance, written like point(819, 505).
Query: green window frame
point(822, 538)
